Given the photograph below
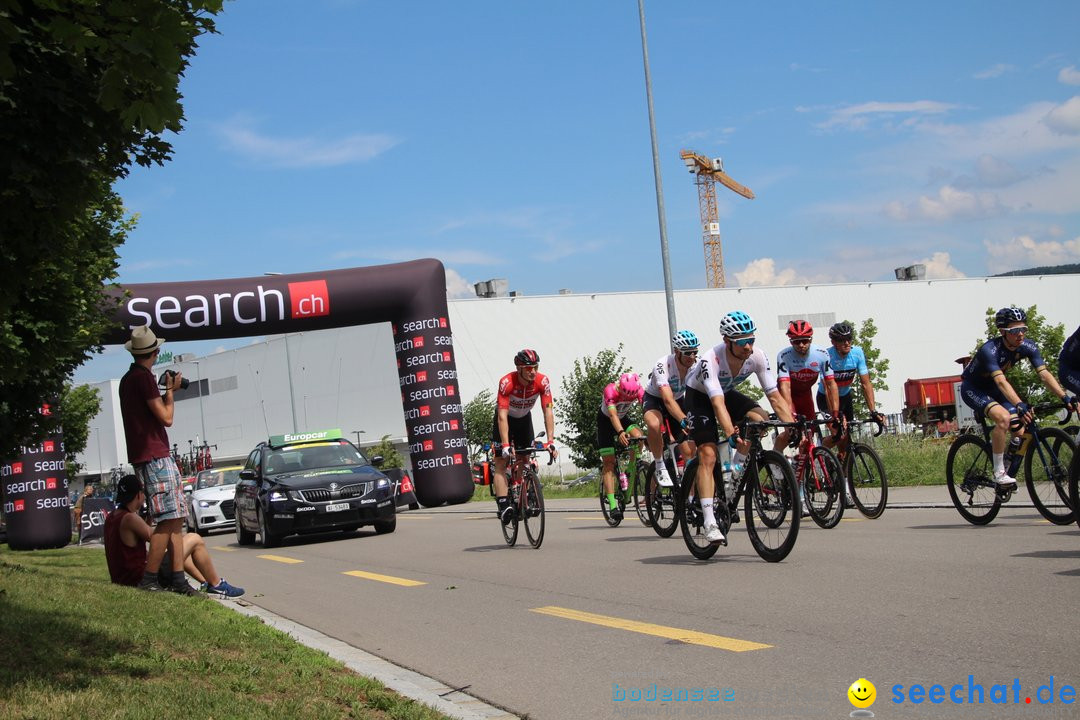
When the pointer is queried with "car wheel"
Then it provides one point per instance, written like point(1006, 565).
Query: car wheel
point(414, 506)
point(266, 538)
point(243, 537)
point(195, 525)
point(383, 527)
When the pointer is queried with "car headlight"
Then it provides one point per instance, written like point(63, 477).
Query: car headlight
point(382, 483)
point(278, 495)
point(205, 503)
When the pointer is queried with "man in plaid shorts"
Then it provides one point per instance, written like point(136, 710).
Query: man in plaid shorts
point(146, 413)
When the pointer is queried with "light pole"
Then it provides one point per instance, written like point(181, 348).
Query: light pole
point(358, 434)
point(198, 386)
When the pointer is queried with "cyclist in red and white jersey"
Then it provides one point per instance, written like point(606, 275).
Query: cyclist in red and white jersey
point(798, 368)
point(663, 395)
point(512, 426)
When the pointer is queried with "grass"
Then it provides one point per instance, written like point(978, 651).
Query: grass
point(75, 645)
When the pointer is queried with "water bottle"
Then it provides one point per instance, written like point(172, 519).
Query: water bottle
point(515, 492)
point(1015, 456)
point(623, 481)
point(729, 483)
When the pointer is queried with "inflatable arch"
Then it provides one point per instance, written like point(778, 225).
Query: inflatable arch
point(411, 296)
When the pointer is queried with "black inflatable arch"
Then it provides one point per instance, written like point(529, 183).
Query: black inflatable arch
point(410, 295)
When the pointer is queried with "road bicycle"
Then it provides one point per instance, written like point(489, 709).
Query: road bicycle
point(1044, 453)
point(819, 474)
point(628, 463)
point(526, 495)
point(767, 490)
point(1074, 485)
point(661, 502)
point(865, 473)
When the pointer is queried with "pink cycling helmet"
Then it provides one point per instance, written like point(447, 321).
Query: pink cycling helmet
point(629, 384)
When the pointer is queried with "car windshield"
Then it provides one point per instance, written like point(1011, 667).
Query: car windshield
point(217, 478)
point(312, 457)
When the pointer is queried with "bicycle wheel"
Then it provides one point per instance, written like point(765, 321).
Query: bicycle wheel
point(823, 487)
point(510, 529)
point(641, 491)
point(866, 480)
point(533, 493)
point(620, 502)
point(771, 506)
point(1046, 466)
point(1074, 484)
point(660, 505)
point(692, 519)
point(969, 473)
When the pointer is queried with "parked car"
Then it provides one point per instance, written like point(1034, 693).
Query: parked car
point(211, 503)
point(310, 482)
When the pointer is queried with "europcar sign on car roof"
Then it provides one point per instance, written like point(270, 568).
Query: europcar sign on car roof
point(287, 439)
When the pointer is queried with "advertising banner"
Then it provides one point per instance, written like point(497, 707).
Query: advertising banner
point(91, 523)
point(410, 295)
point(35, 497)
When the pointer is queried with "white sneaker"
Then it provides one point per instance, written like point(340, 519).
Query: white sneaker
point(1003, 481)
point(713, 534)
point(663, 479)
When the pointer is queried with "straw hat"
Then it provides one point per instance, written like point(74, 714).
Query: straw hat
point(143, 341)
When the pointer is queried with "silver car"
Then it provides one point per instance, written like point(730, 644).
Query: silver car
point(211, 503)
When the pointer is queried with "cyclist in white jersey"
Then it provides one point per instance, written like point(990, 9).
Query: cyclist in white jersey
point(714, 405)
point(663, 394)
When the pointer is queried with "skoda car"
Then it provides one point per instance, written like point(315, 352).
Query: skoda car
point(210, 500)
point(310, 482)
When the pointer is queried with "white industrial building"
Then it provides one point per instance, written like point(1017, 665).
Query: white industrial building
point(347, 378)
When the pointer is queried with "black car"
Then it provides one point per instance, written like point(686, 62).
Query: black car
point(310, 482)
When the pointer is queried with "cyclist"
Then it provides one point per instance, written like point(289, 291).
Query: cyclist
point(662, 395)
point(611, 426)
point(512, 426)
point(798, 368)
point(714, 405)
point(1069, 367)
point(986, 390)
point(847, 361)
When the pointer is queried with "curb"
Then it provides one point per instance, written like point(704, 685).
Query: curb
point(428, 691)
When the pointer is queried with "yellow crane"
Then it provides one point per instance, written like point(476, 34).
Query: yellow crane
point(709, 171)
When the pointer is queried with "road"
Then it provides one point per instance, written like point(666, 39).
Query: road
point(916, 597)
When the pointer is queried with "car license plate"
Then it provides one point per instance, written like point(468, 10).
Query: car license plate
point(337, 507)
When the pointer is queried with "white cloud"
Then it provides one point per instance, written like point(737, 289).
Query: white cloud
point(857, 117)
point(1069, 75)
point(1025, 252)
point(950, 203)
point(939, 267)
point(1065, 118)
point(763, 272)
point(993, 71)
point(457, 286)
point(304, 151)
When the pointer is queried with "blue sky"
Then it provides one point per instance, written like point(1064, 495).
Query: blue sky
point(511, 140)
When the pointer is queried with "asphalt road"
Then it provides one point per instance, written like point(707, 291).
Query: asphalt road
point(916, 597)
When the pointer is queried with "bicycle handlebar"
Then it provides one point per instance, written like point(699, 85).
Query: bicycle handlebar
point(1048, 406)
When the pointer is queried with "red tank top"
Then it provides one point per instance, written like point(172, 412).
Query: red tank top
point(126, 564)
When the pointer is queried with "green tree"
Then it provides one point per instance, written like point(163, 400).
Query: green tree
point(579, 401)
point(87, 87)
point(78, 405)
point(385, 447)
point(1048, 338)
point(878, 366)
point(479, 415)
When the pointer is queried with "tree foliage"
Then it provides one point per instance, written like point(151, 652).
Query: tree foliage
point(1048, 338)
point(78, 405)
point(878, 366)
point(579, 402)
point(390, 455)
point(86, 88)
point(479, 416)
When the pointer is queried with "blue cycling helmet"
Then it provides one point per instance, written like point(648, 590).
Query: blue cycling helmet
point(1009, 315)
point(684, 340)
point(737, 322)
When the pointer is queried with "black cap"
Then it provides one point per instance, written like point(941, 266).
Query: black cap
point(126, 490)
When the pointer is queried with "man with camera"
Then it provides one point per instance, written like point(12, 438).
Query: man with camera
point(146, 414)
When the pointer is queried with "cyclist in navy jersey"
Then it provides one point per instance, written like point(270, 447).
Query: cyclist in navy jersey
point(986, 390)
point(1069, 364)
point(663, 395)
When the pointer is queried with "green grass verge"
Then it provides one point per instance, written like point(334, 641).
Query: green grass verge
point(912, 460)
point(77, 646)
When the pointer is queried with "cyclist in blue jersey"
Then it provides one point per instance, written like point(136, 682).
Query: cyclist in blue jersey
point(847, 361)
point(1069, 364)
point(986, 390)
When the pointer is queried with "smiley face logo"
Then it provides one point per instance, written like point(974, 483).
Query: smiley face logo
point(862, 693)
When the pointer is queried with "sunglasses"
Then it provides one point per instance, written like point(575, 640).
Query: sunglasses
point(743, 342)
point(688, 353)
point(801, 341)
point(1017, 330)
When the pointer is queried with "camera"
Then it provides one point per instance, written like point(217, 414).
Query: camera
point(168, 375)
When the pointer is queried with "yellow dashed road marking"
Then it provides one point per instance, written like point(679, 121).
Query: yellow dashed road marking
point(384, 578)
point(687, 636)
point(280, 559)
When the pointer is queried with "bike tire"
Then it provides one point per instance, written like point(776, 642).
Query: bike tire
point(691, 518)
point(532, 493)
point(969, 474)
point(1074, 484)
point(608, 517)
point(1047, 475)
point(771, 506)
point(661, 504)
point(510, 529)
point(823, 488)
point(866, 479)
point(640, 489)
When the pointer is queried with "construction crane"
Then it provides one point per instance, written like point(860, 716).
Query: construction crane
point(709, 171)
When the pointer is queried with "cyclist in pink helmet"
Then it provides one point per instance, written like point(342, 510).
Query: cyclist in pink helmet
point(612, 425)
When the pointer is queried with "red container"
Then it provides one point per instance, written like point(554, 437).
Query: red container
point(929, 392)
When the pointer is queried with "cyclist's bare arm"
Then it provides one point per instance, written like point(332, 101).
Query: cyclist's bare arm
point(780, 406)
point(832, 398)
point(868, 393)
point(549, 425)
point(784, 386)
point(671, 403)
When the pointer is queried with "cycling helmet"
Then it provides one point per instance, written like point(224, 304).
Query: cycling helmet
point(800, 329)
point(736, 322)
point(841, 331)
point(527, 357)
point(684, 340)
point(1009, 315)
point(629, 385)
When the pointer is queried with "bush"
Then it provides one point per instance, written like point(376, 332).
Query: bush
point(579, 401)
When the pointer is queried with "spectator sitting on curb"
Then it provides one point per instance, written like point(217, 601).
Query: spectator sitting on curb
point(126, 535)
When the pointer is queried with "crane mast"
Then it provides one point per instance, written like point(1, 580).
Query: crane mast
point(707, 172)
